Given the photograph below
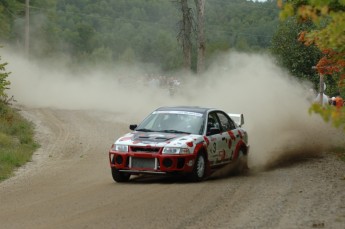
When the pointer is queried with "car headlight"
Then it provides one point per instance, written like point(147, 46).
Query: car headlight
point(175, 150)
point(121, 148)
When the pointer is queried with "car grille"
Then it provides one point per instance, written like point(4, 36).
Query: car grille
point(145, 149)
point(143, 163)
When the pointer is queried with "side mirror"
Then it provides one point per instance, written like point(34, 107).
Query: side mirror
point(133, 126)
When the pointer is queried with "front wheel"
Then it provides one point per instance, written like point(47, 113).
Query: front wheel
point(120, 176)
point(199, 169)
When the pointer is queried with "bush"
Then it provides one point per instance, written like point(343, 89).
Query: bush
point(4, 83)
point(16, 140)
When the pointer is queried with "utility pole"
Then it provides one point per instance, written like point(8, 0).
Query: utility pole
point(27, 27)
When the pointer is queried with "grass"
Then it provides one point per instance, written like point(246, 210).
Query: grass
point(16, 141)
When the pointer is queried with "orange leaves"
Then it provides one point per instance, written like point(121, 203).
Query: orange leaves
point(313, 13)
point(301, 36)
point(332, 62)
point(323, 66)
point(307, 12)
point(305, 39)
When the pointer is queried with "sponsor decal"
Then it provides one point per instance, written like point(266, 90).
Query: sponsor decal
point(240, 133)
point(232, 136)
point(229, 143)
point(222, 154)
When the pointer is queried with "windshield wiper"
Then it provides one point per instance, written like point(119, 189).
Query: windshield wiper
point(175, 131)
point(145, 130)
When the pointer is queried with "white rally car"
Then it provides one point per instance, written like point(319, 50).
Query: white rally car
point(194, 141)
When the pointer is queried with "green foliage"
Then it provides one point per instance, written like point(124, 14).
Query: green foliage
point(16, 134)
point(334, 115)
point(243, 25)
point(4, 83)
point(9, 11)
point(293, 54)
point(328, 17)
point(328, 34)
point(85, 28)
point(330, 113)
point(16, 141)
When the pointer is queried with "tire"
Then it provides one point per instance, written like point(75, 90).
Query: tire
point(199, 169)
point(120, 176)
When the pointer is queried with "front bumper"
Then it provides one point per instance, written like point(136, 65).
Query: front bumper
point(152, 163)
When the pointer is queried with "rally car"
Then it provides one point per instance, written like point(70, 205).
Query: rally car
point(192, 141)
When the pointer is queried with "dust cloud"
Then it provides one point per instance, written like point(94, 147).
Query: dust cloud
point(274, 104)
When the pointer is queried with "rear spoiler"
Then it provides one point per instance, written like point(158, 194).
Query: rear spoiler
point(237, 118)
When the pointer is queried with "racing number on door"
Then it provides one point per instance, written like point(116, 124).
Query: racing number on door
point(213, 152)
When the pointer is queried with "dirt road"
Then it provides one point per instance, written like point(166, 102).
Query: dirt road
point(68, 185)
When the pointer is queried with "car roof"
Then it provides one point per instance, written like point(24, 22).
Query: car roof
point(195, 109)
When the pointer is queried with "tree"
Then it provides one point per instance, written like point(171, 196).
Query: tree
point(292, 54)
point(185, 33)
point(82, 28)
point(201, 44)
point(328, 35)
point(8, 13)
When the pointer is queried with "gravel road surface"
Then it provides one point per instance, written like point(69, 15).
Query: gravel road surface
point(68, 184)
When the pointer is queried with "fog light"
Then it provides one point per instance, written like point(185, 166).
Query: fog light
point(119, 159)
point(167, 162)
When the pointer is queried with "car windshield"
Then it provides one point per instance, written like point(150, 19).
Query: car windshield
point(174, 122)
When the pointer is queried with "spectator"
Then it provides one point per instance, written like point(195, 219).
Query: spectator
point(339, 102)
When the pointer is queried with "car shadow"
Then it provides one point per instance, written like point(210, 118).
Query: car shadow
point(226, 172)
point(161, 179)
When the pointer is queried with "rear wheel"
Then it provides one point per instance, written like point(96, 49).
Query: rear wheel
point(119, 176)
point(199, 169)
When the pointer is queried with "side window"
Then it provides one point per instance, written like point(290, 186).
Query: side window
point(226, 122)
point(212, 122)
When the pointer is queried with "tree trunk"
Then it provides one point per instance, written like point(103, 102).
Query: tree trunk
point(27, 27)
point(200, 7)
point(185, 34)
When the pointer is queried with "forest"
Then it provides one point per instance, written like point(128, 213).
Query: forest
point(146, 31)
point(305, 37)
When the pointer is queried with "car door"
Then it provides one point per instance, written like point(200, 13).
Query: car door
point(230, 135)
point(217, 145)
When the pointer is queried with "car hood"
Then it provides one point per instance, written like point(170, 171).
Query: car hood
point(157, 139)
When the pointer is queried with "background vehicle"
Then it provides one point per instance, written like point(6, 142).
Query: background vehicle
point(191, 140)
